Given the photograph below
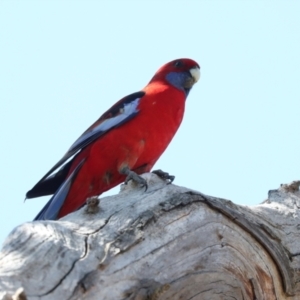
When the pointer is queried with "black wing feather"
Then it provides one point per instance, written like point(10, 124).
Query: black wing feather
point(49, 185)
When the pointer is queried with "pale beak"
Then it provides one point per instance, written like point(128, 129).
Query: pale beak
point(195, 72)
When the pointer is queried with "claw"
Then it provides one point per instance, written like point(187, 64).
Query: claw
point(164, 175)
point(92, 205)
point(135, 177)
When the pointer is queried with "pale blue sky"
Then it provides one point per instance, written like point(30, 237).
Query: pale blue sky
point(63, 63)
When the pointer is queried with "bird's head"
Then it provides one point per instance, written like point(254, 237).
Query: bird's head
point(182, 73)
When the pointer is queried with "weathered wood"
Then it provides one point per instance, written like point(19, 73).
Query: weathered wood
point(167, 243)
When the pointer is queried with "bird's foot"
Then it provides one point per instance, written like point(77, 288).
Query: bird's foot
point(92, 205)
point(164, 175)
point(135, 177)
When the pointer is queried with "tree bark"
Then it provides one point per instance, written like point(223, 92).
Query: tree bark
point(167, 243)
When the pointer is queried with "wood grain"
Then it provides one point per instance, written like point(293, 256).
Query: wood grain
point(167, 243)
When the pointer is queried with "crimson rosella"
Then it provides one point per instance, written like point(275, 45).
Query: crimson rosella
point(124, 142)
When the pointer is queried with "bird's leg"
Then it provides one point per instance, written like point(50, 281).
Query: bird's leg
point(134, 176)
point(164, 175)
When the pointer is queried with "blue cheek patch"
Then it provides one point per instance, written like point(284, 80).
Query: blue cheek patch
point(178, 79)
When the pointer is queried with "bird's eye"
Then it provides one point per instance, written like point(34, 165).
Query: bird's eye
point(178, 63)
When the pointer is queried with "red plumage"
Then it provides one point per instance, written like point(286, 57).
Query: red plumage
point(131, 135)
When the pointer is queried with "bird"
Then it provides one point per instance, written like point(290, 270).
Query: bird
point(125, 142)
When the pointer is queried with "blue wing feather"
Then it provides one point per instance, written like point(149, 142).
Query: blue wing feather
point(126, 112)
point(53, 206)
point(121, 112)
